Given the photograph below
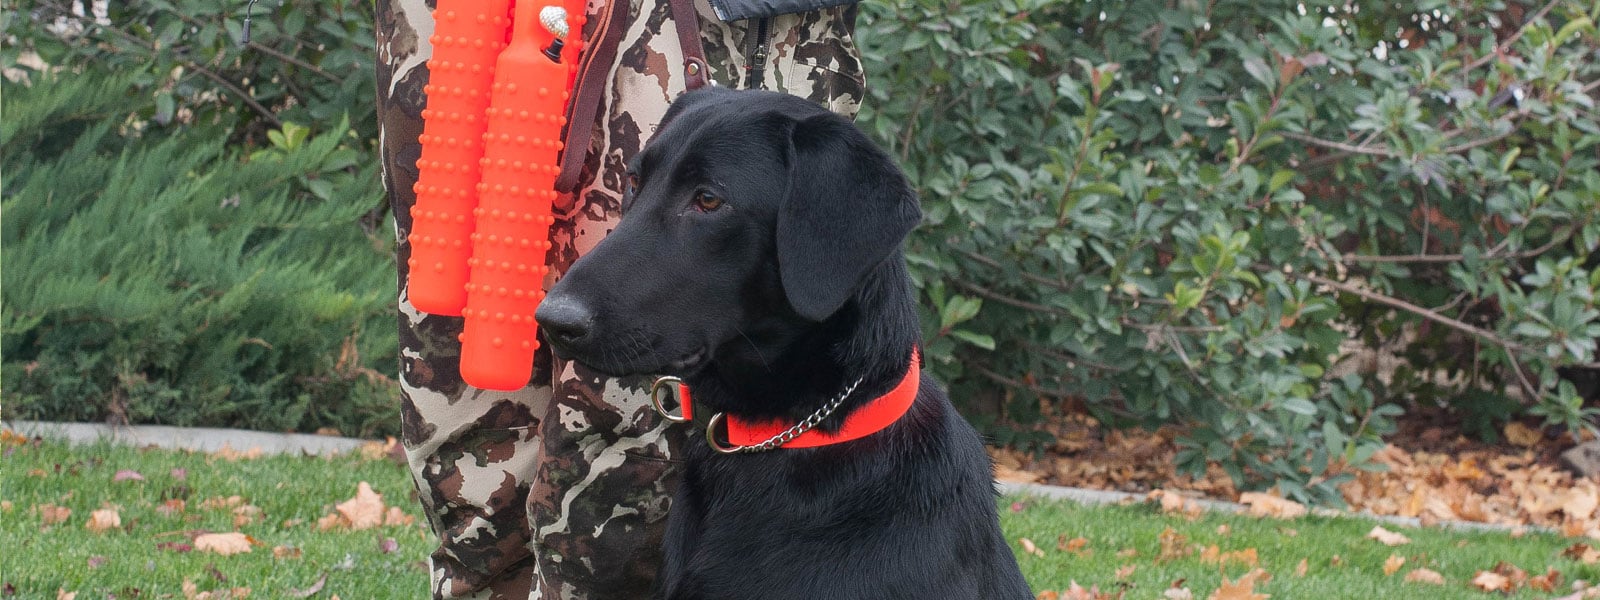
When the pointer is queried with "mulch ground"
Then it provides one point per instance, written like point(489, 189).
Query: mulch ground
point(1434, 472)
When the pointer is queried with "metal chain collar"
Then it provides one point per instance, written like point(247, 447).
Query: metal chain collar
point(787, 435)
point(772, 443)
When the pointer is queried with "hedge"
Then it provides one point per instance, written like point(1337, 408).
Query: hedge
point(1201, 215)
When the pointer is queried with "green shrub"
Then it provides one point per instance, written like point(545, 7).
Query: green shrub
point(170, 279)
point(1177, 212)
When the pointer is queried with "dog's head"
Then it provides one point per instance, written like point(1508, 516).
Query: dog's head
point(749, 217)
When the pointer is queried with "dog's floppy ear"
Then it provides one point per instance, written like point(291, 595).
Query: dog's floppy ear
point(848, 209)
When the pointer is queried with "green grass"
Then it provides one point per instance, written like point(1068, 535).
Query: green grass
point(294, 492)
point(1280, 546)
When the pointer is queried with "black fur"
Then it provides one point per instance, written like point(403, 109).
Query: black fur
point(768, 305)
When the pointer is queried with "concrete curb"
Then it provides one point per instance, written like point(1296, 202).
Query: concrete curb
point(203, 439)
point(212, 439)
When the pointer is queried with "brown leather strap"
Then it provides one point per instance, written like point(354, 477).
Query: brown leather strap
point(596, 64)
point(694, 54)
point(600, 53)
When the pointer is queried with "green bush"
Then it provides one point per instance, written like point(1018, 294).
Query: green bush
point(1174, 213)
point(170, 279)
point(1178, 212)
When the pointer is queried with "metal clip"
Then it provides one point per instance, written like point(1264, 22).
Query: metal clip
point(655, 398)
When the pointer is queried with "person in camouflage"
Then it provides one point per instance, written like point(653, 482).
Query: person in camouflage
point(560, 490)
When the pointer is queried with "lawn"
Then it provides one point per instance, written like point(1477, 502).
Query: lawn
point(301, 544)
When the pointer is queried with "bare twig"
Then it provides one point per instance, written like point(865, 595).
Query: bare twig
point(1411, 308)
point(1492, 254)
point(1342, 147)
point(1004, 299)
point(1501, 47)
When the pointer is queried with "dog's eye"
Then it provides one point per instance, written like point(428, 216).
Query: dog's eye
point(706, 202)
point(633, 184)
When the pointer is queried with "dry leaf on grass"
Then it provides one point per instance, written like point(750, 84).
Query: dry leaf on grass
point(283, 552)
point(62, 594)
point(1214, 555)
point(1174, 545)
point(1386, 537)
point(1268, 505)
point(228, 453)
point(1075, 545)
point(127, 475)
point(245, 515)
point(397, 518)
point(1546, 582)
point(1243, 589)
point(1429, 576)
point(1031, 548)
point(1491, 582)
point(103, 520)
point(51, 514)
point(225, 544)
point(1393, 564)
point(1124, 572)
point(310, 591)
point(365, 510)
point(1582, 553)
point(1177, 593)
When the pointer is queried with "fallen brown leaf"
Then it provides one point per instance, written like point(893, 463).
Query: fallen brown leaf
point(1300, 569)
point(1074, 545)
point(322, 580)
point(1491, 582)
point(1031, 548)
point(51, 514)
point(1393, 564)
point(395, 517)
point(1522, 435)
point(1174, 545)
point(171, 508)
point(103, 520)
point(1124, 572)
point(1546, 582)
point(62, 594)
point(228, 453)
point(127, 475)
point(283, 552)
point(1267, 505)
point(1428, 576)
point(225, 544)
point(1386, 537)
point(365, 510)
point(245, 515)
point(1583, 553)
point(1243, 589)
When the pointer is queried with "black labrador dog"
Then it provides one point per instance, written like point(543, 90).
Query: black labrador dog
point(759, 259)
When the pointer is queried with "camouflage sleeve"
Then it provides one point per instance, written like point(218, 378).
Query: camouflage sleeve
point(561, 491)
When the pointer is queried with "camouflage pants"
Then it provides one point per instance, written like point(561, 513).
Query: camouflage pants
point(560, 490)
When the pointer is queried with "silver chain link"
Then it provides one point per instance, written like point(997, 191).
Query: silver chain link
point(804, 425)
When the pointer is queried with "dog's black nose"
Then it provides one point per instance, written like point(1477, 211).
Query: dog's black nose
point(565, 321)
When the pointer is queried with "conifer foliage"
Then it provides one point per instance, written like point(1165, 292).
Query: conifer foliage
point(164, 276)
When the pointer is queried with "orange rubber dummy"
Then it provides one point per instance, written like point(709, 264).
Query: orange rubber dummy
point(519, 168)
point(468, 35)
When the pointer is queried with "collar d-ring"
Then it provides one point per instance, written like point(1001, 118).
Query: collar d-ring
point(711, 437)
point(662, 383)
